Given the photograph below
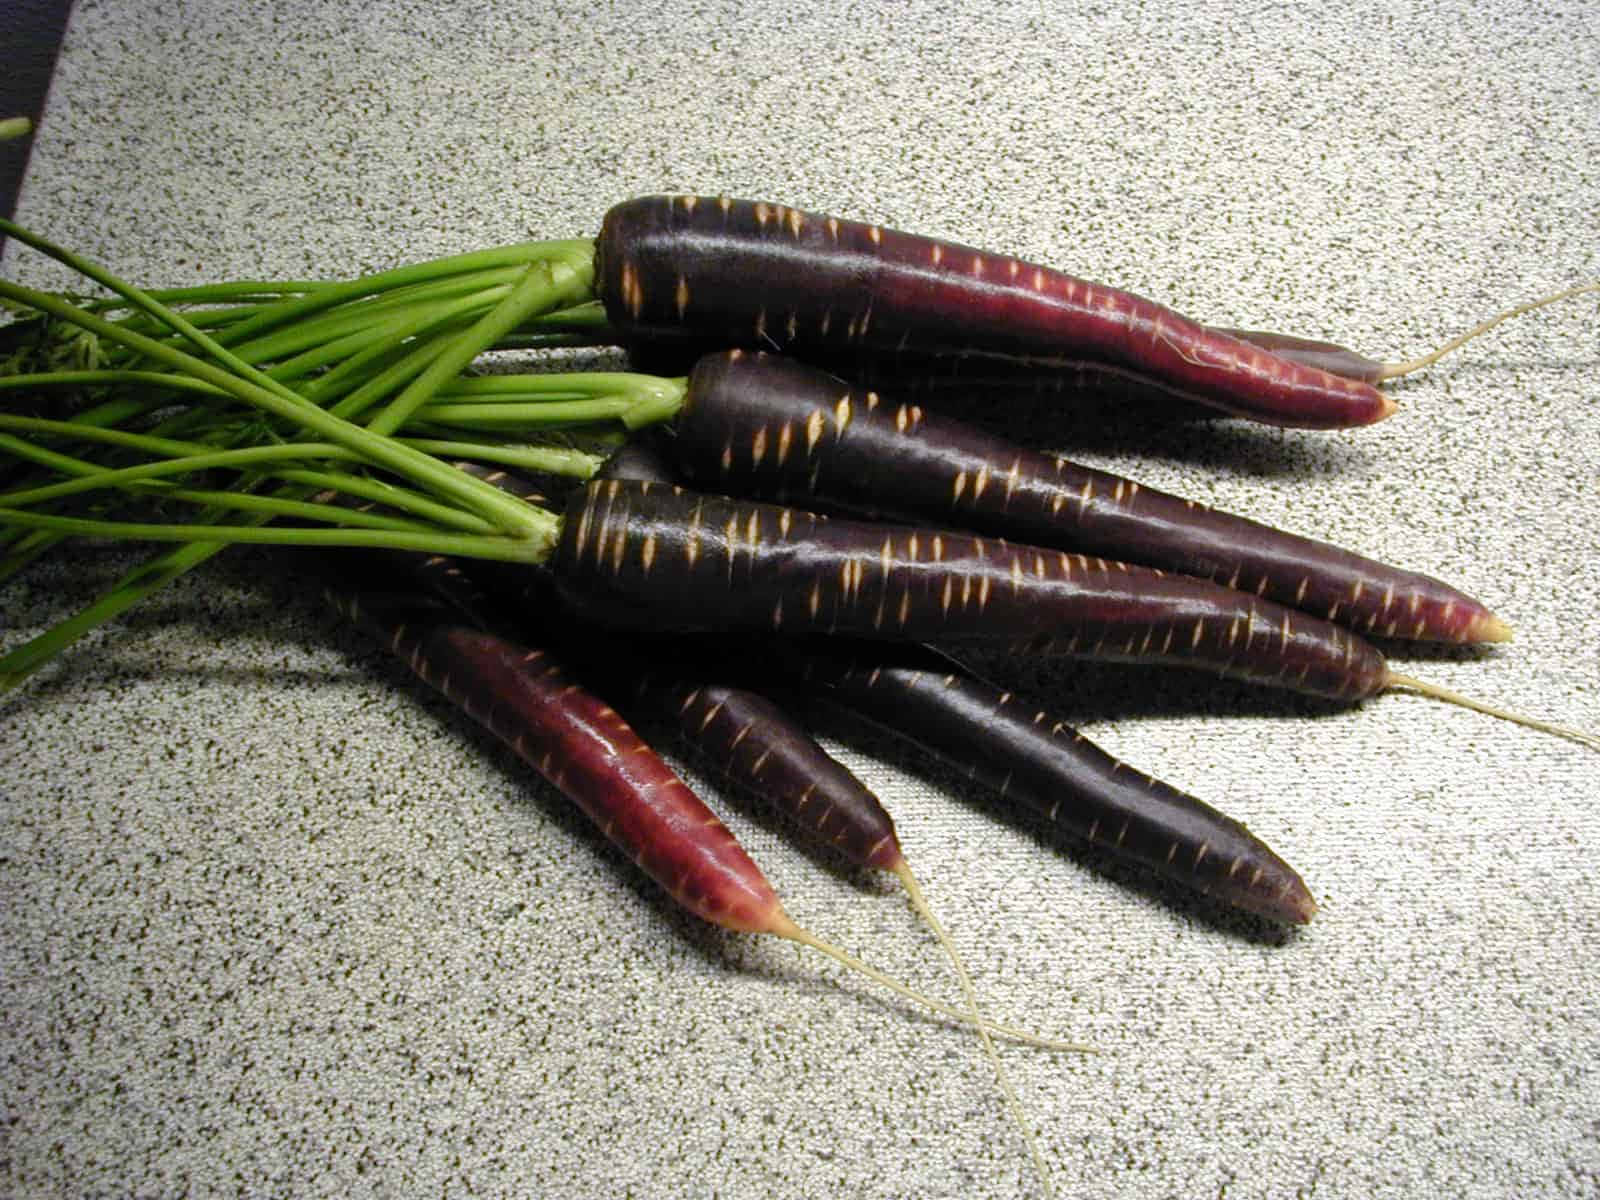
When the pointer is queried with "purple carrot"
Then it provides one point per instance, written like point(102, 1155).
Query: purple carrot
point(763, 424)
point(1042, 762)
point(755, 745)
point(771, 277)
point(589, 753)
point(1017, 749)
point(1323, 356)
point(583, 748)
point(746, 737)
point(647, 556)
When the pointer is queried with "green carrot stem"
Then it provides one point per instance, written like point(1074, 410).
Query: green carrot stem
point(565, 461)
point(590, 315)
point(565, 385)
point(565, 277)
point(189, 457)
point(512, 417)
point(305, 510)
point(236, 292)
point(39, 455)
point(148, 577)
point(534, 548)
point(404, 499)
point(215, 320)
point(389, 363)
point(108, 377)
point(133, 295)
point(25, 550)
point(476, 291)
point(571, 269)
point(656, 410)
point(383, 335)
point(144, 442)
point(556, 400)
point(328, 295)
point(544, 285)
point(427, 472)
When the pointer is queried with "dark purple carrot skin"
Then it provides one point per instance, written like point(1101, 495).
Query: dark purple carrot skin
point(958, 383)
point(645, 556)
point(753, 742)
point(763, 424)
point(1035, 759)
point(1323, 356)
point(584, 749)
point(962, 385)
point(747, 738)
point(775, 278)
point(1017, 749)
point(756, 746)
point(641, 459)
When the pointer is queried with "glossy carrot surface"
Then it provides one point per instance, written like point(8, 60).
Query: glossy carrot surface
point(655, 557)
point(527, 699)
point(1018, 750)
point(767, 276)
point(766, 425)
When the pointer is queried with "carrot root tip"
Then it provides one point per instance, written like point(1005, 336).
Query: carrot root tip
point(1582, 737)
point(782, 926)
point(1395, 370)
point(1489, 628)
point(919, 904)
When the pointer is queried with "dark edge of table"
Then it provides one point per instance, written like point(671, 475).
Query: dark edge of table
point(34, 29)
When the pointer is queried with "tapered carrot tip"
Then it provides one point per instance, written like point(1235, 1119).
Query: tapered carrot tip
point(1386, 409)
point(1286, 900)
point(1298, 906)
point(1488, 628)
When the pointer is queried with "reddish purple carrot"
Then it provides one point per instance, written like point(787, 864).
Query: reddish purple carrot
point(588, 752)
point(585, 750)
point(770, 277)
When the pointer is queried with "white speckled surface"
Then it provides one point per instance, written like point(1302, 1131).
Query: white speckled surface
point(277, 922)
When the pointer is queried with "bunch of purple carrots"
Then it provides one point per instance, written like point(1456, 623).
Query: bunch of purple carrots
point(798, 489)
point(790, 505)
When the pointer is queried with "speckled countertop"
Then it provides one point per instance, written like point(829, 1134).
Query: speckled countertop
point(276, 922)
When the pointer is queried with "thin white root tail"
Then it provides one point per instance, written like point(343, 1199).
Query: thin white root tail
point(919, 902)
point(1590, 740)
point(794, 933)
point(1395, 370)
